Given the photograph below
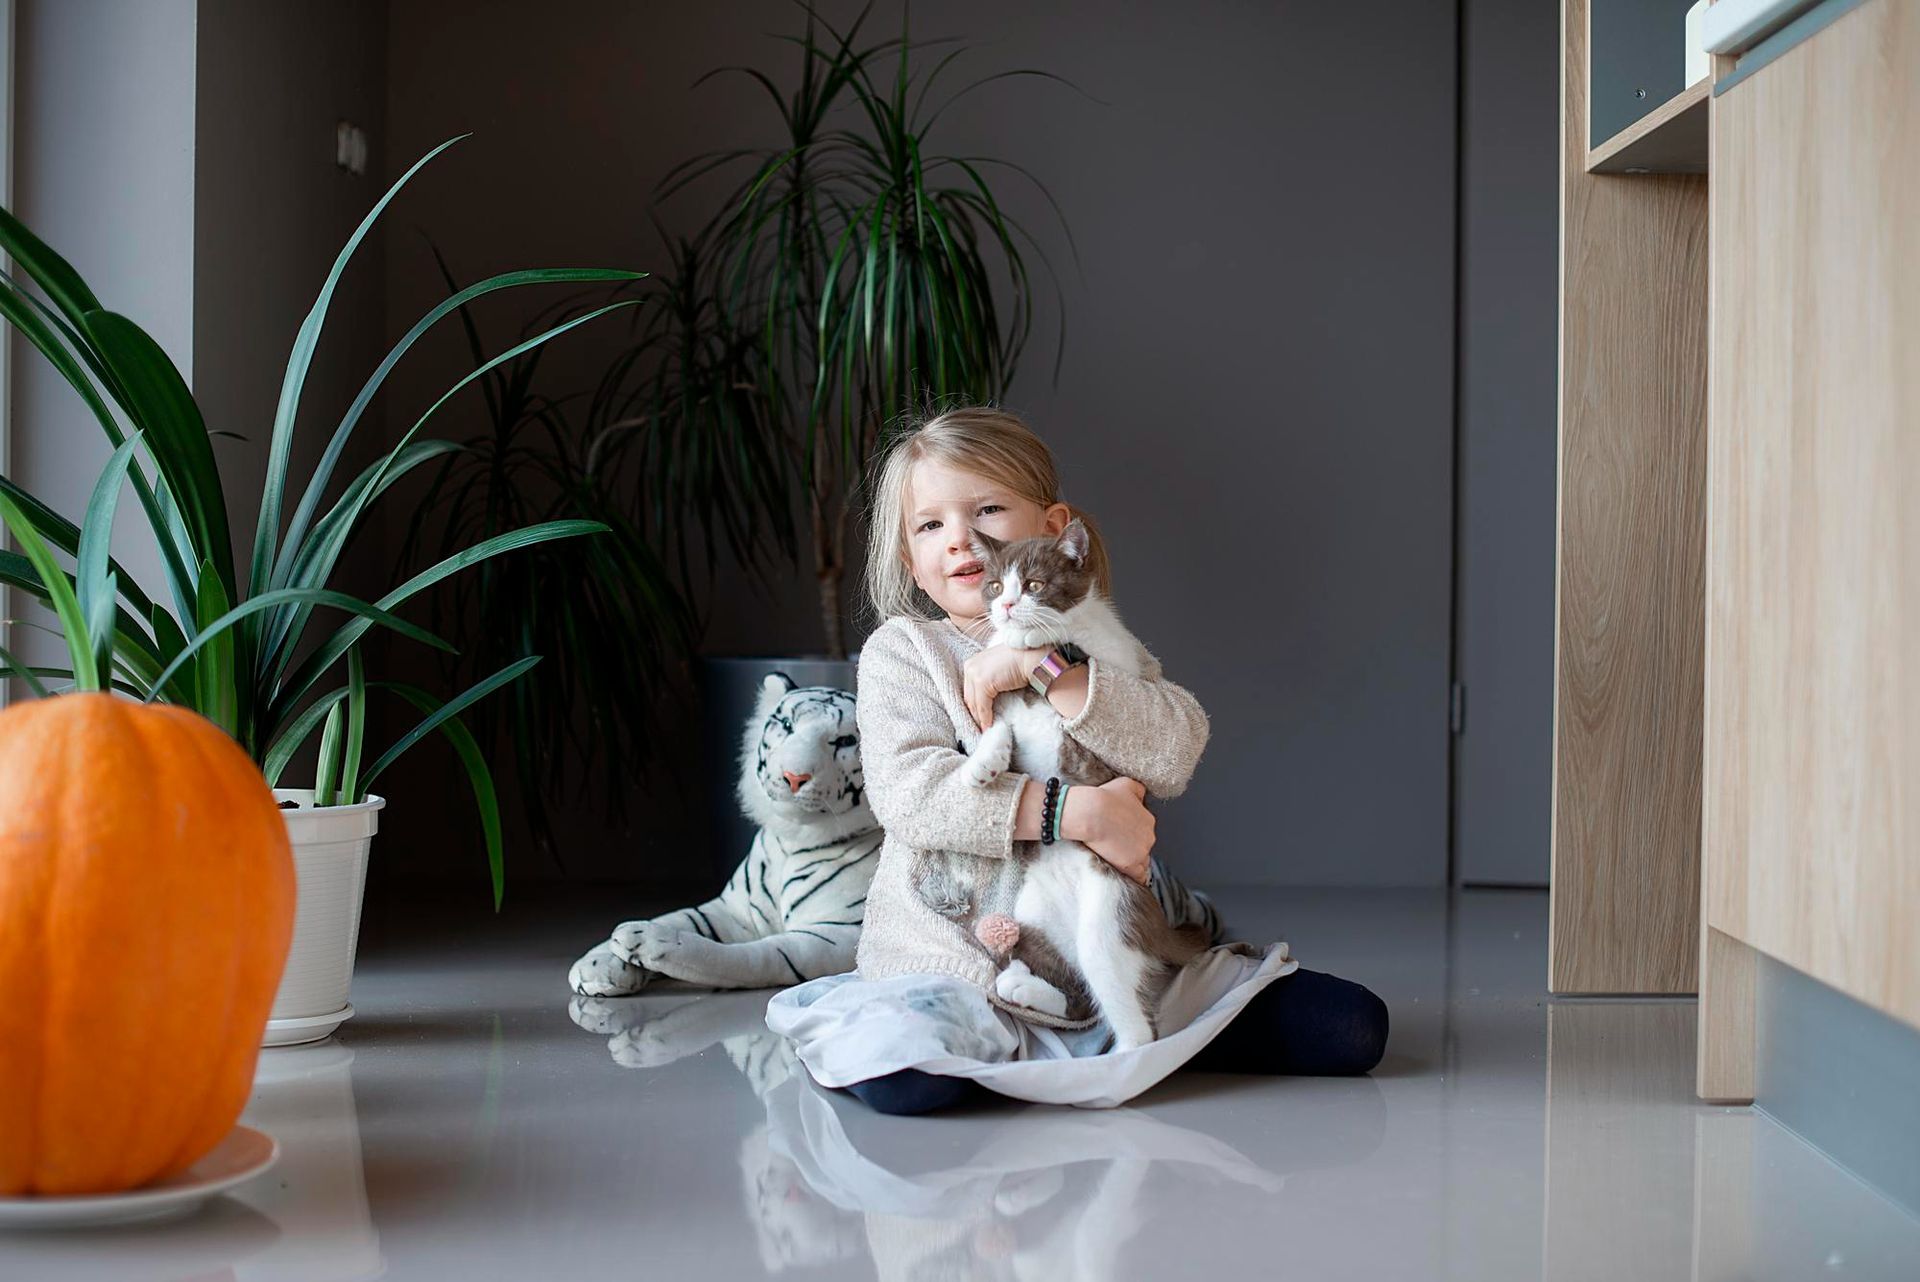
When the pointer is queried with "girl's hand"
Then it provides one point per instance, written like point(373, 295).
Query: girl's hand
point(993, 670)
point(1113, 822)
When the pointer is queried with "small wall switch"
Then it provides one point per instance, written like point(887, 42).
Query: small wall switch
point(350, 147)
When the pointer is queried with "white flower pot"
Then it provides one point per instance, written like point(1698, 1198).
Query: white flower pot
point(330, 846)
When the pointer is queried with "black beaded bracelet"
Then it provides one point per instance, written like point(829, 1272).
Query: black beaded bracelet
point(1046, 810)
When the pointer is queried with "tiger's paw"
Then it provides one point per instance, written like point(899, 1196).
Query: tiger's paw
point(602, 972)
point(646, 943)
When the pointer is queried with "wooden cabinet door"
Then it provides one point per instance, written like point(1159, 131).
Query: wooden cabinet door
point(1811, 805)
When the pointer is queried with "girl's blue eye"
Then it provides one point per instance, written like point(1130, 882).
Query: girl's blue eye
point(996, 507)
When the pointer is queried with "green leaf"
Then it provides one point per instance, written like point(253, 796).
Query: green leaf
point(289, 740)
point(350, 787)
point(25, 673)
point(86, 674)
point(134, 651)
point(52, 272)
point(310, 671)
point(479, 778)
point(94, 583)
point(370, 614)
point(327, 775)
point(102, 615)
point(158, 400)
point(213, 670)
point(65, 535)
point(13, 305)
point(390, 461)
point(314, 564)
point(299, 360)
point(323, 470)
point(169, 642)
point(451, 708)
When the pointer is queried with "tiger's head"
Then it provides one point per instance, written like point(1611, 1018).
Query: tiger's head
point(800, 761)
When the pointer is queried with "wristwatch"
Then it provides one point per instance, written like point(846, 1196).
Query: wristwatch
point(1057, 661)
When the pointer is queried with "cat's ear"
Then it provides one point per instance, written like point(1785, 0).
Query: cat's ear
point(984, 544)
point(1075, 540)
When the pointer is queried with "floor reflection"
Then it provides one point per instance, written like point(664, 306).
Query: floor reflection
point(464, 1126)
point(303, 1097)
point(1041, 1192)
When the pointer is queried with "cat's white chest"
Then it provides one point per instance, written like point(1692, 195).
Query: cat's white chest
point(1036, 733)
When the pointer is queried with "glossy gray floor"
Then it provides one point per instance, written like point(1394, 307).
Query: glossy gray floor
point(466, 1125)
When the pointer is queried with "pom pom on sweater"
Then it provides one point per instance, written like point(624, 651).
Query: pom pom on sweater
point(998, 932)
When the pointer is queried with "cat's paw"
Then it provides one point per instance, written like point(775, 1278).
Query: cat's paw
point(646, 943)
point(991, 756)
point(605, 973)
point(1019, 985)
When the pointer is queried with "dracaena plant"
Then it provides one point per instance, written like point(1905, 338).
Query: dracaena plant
point(861, 265)
point(607, 614)
point(236, 645)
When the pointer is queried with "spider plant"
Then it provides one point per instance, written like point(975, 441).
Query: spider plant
point(236, 646)
point(864, 264)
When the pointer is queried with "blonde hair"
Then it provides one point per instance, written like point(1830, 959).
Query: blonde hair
point(989, 442)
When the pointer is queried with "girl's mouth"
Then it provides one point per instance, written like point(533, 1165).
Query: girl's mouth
point(970, 578)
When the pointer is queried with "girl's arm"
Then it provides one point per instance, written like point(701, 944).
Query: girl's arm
point(1153, 731)
point(915, 774)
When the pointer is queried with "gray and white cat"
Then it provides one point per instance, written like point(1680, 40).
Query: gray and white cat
point(1082, 936)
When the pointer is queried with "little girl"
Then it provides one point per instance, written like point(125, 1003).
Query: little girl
point(919, 1024)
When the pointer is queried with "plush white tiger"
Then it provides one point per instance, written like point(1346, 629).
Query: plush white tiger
point(793, 908)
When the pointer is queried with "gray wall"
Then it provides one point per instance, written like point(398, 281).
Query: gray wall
point(1509, 319)
point(272, 210)
point(1257, 392)
point(104, 172)
point(180, 155)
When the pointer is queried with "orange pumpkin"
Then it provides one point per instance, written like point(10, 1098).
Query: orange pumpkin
point(146, 909)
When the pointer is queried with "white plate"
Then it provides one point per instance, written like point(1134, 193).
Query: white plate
point(308, 1028)
point(239, 1157)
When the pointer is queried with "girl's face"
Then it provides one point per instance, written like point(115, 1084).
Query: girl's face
point(944, 505)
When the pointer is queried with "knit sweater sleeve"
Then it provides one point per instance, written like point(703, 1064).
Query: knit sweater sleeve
point(915, 775)
point(1150, 730)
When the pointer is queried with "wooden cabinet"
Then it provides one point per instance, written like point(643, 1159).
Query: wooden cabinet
point(1629, 582)
point(1737, 676)
point(1811, 816)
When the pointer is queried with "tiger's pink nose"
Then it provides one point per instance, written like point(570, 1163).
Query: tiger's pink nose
point(794, 781)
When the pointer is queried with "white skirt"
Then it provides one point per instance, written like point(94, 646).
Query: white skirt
point(846, 1029)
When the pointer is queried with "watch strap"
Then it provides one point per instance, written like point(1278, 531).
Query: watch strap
point(1058, 660)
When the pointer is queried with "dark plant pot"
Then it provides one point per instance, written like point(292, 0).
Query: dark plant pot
point(729, 687)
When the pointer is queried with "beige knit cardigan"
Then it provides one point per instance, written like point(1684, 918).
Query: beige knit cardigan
point(912, 718)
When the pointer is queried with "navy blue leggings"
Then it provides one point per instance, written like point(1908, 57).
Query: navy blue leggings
point(1307, 1023)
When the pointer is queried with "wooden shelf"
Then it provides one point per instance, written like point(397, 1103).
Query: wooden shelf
point(1670, 139)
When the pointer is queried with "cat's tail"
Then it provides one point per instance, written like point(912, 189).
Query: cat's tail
point(1185, 906)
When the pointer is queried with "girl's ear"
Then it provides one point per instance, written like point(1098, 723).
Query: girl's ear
point(1074, 540)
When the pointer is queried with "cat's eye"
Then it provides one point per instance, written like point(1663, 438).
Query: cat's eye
point(991, 587)
point(1034, 585)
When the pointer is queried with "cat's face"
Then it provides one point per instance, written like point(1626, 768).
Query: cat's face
point(1030, 584)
